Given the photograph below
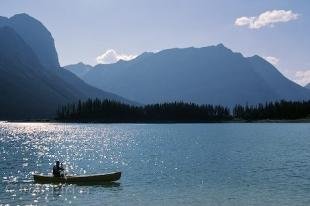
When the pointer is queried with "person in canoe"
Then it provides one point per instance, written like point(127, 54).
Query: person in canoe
point(58, 170)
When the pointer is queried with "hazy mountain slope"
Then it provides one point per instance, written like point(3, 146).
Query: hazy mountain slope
point(307, 86)
point(85, 90)
point(283, 87)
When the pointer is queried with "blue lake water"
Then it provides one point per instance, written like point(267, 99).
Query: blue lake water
point(162, 164)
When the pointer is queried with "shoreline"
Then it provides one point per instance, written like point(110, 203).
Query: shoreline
point(158, 122)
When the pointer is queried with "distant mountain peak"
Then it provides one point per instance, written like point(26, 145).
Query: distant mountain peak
point(83, 64)
point(221, 45)
point(256, 57)
point(22, 15)
point(79, 69)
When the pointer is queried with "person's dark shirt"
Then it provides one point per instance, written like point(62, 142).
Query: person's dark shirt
point(56, 170)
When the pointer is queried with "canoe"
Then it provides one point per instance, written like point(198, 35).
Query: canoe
point(97, 178)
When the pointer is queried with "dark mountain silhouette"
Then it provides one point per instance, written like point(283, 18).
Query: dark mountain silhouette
point(28, 88)
point(208, 75)
point(37, 36)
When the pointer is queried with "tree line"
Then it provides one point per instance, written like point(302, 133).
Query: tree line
point(279, 110)
point(96, 110)
point(110, 111)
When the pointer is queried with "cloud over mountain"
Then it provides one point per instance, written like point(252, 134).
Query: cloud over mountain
point(111, 56)
point(268, 18)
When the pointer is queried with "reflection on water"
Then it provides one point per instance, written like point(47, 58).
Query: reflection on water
point(177, 164)
point(28, 148)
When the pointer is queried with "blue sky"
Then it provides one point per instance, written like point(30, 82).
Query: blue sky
point(86, 29)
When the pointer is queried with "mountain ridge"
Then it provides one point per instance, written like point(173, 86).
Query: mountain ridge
point(212, 74)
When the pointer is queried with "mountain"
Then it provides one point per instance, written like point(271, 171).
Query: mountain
point(27, 89)
point(36, 35)
point(213, 74)
point(32, 85)
point(79, 69)
point(283, 88)
point(24, 84)
point(307, 86)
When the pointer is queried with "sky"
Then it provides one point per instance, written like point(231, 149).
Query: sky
point(104, 31)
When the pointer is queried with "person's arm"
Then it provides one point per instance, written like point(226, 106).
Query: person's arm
point(54, 171)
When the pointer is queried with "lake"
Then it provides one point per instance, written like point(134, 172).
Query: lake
point(162, 164)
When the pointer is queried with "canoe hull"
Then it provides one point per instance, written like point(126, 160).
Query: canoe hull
point(99, 178)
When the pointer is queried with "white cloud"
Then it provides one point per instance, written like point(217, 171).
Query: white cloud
point(111, 56)
point(273, 60)
point(268, 18)
point(302, 77)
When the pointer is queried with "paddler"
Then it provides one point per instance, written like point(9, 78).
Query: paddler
point(58, 170)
